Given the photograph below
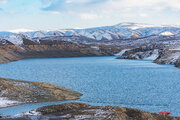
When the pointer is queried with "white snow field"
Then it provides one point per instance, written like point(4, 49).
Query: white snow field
point(4, 102)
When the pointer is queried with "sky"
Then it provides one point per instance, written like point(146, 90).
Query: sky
point(59, 14)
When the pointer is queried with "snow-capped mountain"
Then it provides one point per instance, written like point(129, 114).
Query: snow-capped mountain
point(116, 32)
point(128, 30)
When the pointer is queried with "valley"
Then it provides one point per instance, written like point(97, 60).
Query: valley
point(124, 42)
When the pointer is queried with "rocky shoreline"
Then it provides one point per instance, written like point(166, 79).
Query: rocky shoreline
point(15, 92)
point(159, 53)
point(81, 111)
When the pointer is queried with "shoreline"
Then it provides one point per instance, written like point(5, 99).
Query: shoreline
point(76, 110)
point(116, 57)
point(164, 56)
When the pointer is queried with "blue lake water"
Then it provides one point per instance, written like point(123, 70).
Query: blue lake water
point(103, 81)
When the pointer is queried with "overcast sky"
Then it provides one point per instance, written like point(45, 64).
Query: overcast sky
point(57, 14)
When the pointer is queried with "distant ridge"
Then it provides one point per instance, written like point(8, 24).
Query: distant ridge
point(116, 32)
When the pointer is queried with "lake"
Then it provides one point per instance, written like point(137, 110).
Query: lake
point(137, 84)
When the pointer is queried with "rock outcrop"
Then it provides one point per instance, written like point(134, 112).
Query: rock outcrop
point(22, 92)
point(177, 63)
point(80, 111)
point(150, 52)
point(169, 56)
point(159, 53)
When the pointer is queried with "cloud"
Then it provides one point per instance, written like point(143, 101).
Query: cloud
point(89, 16)
point(115, 4)
point(53, 5)
point(20, 30)
point(3, 1)
point(55, 12)
point(144, 4)
point(143, 15)
point(11, 12)
point(64, 5)
point(111, 8)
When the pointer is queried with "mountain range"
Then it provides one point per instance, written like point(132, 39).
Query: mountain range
point(117, 32)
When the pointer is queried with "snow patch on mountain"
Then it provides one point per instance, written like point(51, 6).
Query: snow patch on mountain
point(167, 33)
point(121, 52)
point(95, 47)
point(154, 55)
point(15, 39)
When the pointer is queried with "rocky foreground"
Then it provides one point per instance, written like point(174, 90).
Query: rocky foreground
point(14, 92)
point(80, 111)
